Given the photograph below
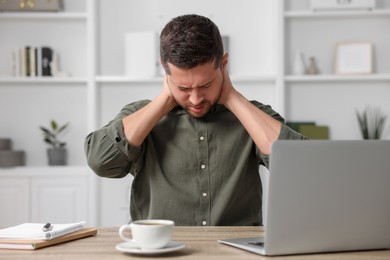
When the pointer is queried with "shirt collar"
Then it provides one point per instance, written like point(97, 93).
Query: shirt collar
point(215, 109)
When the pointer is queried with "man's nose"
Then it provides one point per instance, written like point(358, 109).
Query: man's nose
point(196, 97)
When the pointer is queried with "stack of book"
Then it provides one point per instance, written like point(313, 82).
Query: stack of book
point(310, 129)
point(32, 61)
point(37, 235)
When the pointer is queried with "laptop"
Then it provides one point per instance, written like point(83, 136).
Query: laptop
point(325, 196)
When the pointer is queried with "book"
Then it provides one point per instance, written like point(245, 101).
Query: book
point(296, 125)
point(33, 62)
point(35, 231)
point(27, 60)
point(36, 244)
point(315, 132)
point(46, 59)
point(22, 62)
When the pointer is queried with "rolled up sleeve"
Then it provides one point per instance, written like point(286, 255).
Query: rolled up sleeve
point(107, 151)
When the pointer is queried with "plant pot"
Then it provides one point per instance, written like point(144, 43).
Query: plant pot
point(57, 156)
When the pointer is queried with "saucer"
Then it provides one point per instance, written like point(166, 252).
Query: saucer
point(129, 247)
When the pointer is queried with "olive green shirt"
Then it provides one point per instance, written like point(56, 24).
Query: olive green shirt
point(195, 171)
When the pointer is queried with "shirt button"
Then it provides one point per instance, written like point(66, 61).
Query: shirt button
point(203, 166)
point(201, 138)
point(204, 194)
point(204, 222)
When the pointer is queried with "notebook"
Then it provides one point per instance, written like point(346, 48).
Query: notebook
point(36, 244)
point(36, 231)
point(325, 196)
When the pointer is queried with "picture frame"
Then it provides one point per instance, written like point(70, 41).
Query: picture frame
point(353, 58)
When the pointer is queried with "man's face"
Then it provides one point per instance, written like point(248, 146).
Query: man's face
point(196, 90)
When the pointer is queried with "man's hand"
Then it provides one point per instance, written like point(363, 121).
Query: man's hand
point(166, 91)
point(228, 90)
point(138, 125)
point(262, 128)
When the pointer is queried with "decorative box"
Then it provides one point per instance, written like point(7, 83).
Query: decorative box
point(31, 5)
point(12, 158)
point(5, 144)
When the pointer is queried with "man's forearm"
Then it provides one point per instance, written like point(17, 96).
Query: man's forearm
point(263, 129)
point(139, 124)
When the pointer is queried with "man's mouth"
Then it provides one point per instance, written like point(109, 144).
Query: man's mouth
point(197, 109)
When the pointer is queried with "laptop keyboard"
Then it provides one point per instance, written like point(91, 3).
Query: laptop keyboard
point(260, 244)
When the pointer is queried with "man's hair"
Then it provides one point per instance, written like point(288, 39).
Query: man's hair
point(190, 40)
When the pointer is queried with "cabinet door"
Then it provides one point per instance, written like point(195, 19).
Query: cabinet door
point(59, 199)
point(115, 201)
point(14, 203)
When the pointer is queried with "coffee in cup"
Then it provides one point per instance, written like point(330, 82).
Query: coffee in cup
point(149, 234)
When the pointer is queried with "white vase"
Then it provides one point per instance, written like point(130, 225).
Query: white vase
point(298, 67)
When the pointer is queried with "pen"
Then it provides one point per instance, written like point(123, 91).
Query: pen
point(47, 227)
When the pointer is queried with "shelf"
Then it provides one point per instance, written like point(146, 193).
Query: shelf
point(43, 80)
point(158, 79)
point(259, 79)
point(124, 79)
point(349, 13)
point(46, 171)
point(334, 78)
point(43, 16)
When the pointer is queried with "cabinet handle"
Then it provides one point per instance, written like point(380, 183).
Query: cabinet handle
point(27, 4)
point(344, 2)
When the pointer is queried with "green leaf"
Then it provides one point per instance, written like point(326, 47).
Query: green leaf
point(62, 128)
point(54, 125)
point(371, 122)
point(50, 136)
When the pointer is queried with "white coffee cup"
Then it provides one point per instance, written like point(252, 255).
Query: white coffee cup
point(149, 234)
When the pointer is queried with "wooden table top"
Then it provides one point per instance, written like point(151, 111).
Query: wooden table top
point(200, 244)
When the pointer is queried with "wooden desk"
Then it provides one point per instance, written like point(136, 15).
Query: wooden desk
point(201, 243)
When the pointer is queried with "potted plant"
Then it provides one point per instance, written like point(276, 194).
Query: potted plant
point(371, 122)
point(57, 154)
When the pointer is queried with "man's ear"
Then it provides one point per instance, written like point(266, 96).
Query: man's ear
point(224, 61)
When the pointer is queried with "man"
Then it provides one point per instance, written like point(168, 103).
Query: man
point(195, 149)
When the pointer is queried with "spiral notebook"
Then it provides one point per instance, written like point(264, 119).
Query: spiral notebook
point(30, 235)
point(34, 231)
point(36, 244)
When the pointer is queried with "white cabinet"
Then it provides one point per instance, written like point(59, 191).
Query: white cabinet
point(115, 201)
point(55, 194)
point(14, 200)
point(327, 98)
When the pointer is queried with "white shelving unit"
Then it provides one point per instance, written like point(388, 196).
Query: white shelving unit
point(28, 102)
point(90, 43)
point(42, 80)
point(44, 16)
point(336, 78)
point(124, 79)
point(330, 14)
point(327, 98)
point(69, 192)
